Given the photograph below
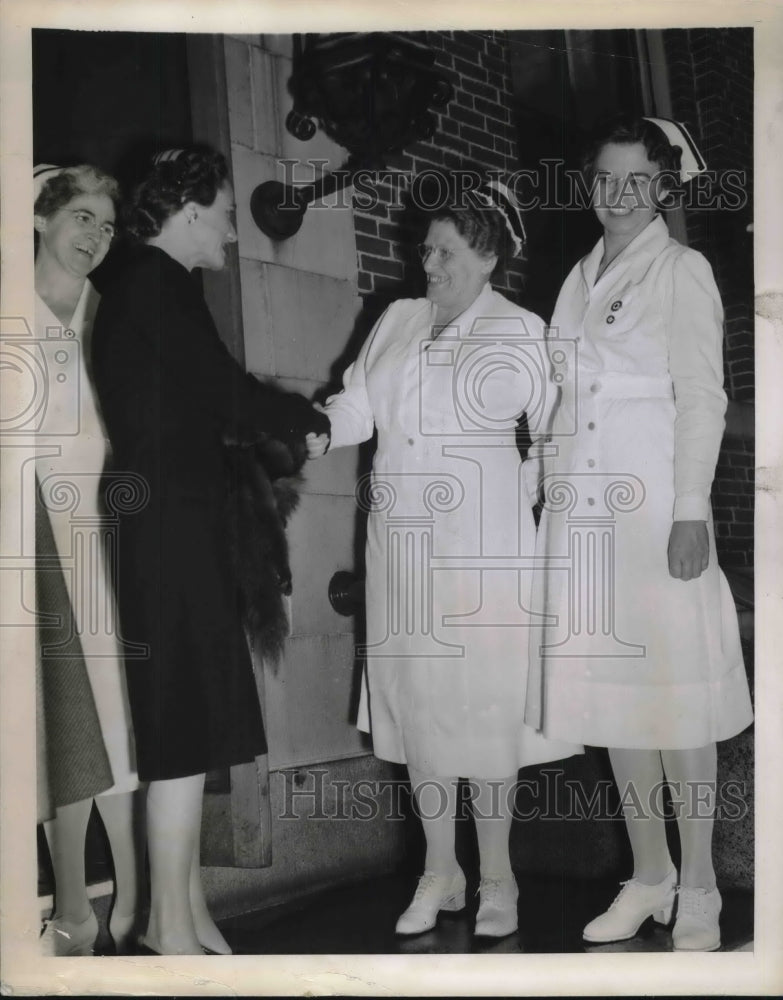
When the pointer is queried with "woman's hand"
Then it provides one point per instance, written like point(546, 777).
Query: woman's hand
point(316, 444)
point(689, 549)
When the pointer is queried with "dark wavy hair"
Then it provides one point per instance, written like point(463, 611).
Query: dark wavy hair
point(59, 190)
point(196, 174)
point(626, 131)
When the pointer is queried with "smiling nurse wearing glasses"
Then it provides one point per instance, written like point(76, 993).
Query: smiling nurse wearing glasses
point(444, 380)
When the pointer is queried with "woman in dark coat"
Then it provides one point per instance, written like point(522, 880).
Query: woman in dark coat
point(171, 396)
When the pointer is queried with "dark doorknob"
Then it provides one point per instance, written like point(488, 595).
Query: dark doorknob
point(346, 593)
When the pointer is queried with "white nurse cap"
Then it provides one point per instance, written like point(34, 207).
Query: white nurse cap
point(692, 162)
point(495, 194)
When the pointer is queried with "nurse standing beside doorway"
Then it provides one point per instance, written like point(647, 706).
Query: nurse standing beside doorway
point(444, 379)
point(643, 655)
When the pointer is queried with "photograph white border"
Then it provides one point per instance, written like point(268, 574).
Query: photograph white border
point(759, 972)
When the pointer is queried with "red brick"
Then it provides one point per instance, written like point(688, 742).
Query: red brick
point(379, 210)
point(369, 244)
point(432, 157)
point(377, 265)
point(470, 70)
point(492, 109)
point(465, 50)
point(364, 225)
point(483, 90)
point(453, 161)
point(489, 159)
point(466, 117)
point(457, 146)
point(479, 136)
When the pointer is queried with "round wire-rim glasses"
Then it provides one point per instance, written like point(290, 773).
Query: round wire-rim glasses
point(442, 254)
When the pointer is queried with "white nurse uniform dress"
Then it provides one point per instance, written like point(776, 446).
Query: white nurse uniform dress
point(628, 656)
point(450, 535)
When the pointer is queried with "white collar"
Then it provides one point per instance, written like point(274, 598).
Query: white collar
point(649, 242)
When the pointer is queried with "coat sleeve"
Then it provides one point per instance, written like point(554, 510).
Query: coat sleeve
point(350, 412)
point(172, 324)
point(696, 368)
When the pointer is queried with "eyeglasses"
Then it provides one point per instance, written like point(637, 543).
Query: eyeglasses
point(442, 254)
point(86, 220)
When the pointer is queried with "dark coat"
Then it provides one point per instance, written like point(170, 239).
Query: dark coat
point(171, 395)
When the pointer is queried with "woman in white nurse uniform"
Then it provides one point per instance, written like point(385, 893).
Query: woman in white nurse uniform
point(641, 648)
point(74, 220)
point(449, 549)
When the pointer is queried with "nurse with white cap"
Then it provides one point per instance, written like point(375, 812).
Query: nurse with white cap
point(640, 649)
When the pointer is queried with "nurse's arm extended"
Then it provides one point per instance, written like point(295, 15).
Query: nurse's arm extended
point(696, 367)
point(349, 412)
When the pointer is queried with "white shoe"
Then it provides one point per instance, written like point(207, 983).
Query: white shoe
point(497, 914)
point(632, 906)
point(433, 893)
point(62, 938)
point(697, 927)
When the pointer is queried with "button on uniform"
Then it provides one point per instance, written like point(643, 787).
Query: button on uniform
point(410, 440)
point(616, 305)
point(610, 319)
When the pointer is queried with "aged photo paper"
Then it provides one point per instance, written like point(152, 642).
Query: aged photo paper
point(758, 971)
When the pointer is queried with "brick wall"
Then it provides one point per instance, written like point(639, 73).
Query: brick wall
point(711, 81)
point(474, 131)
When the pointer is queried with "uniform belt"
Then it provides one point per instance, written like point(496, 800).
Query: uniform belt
point(619, 385)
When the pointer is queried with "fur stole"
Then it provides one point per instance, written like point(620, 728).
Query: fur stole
point(264, 482)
